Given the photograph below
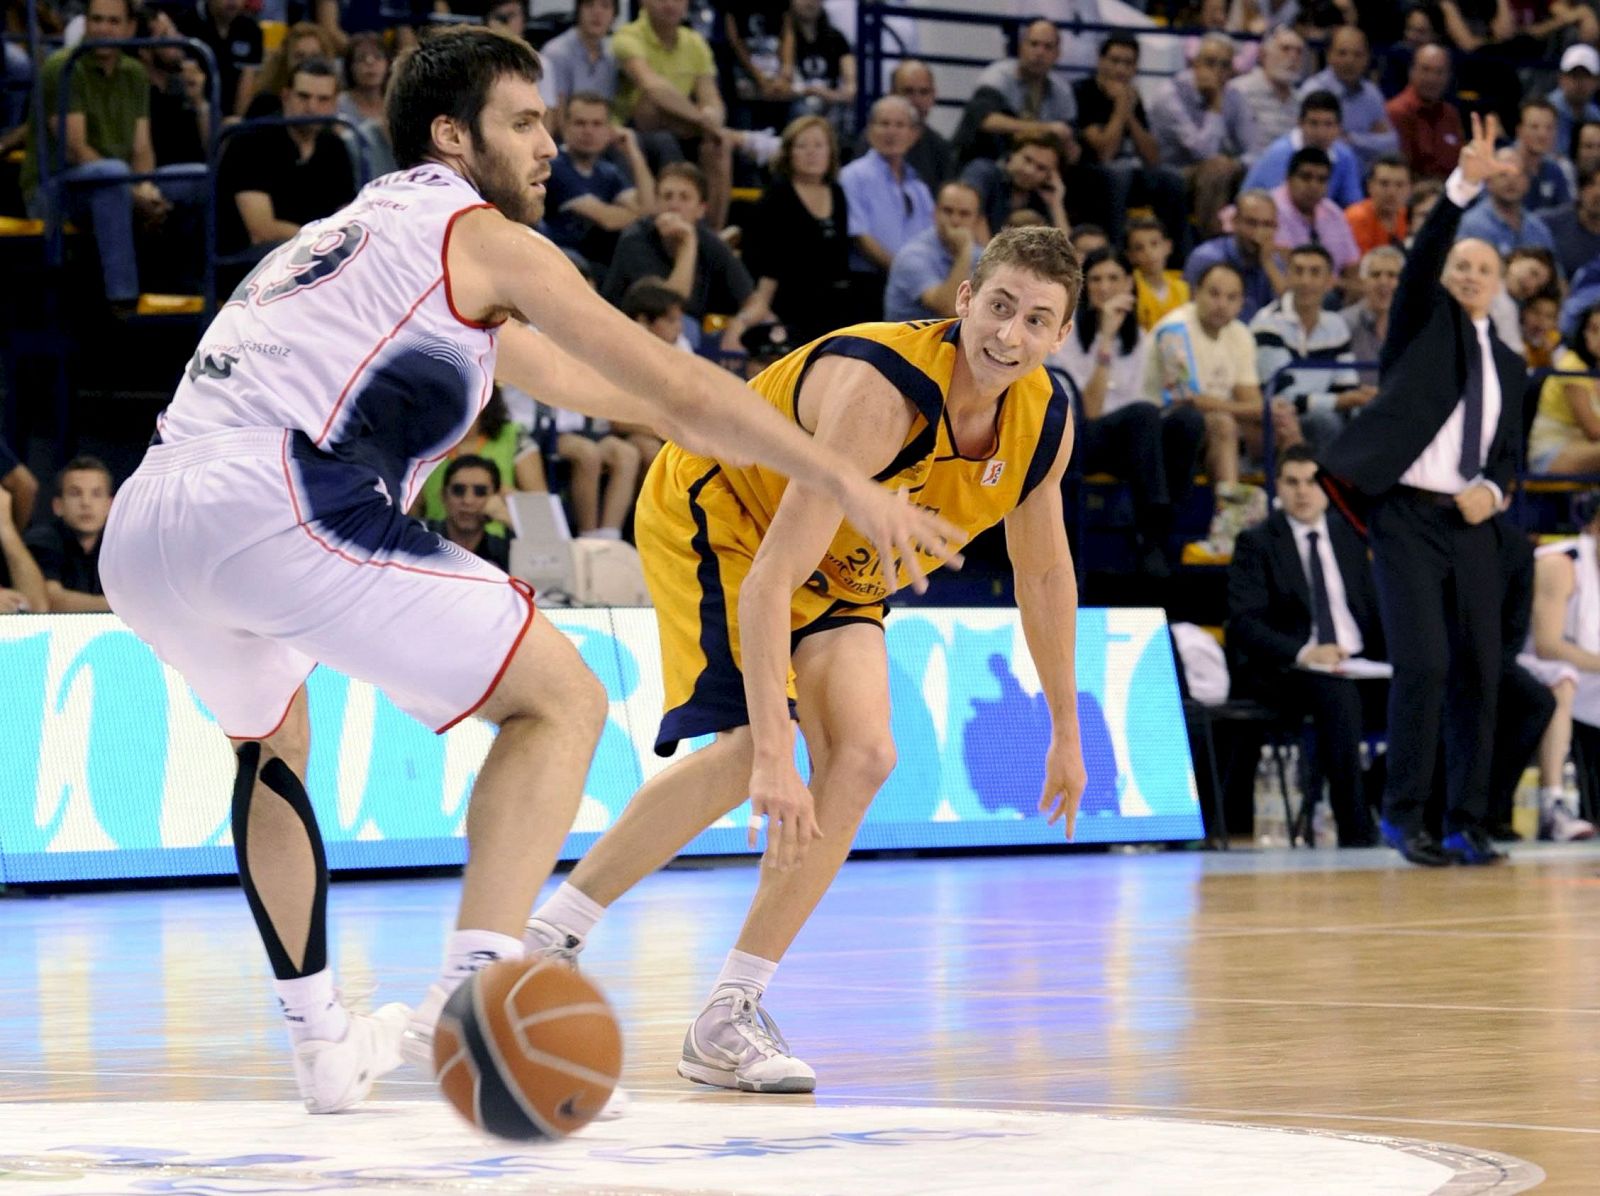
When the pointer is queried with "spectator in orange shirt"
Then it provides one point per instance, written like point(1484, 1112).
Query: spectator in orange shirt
point(1380, 219)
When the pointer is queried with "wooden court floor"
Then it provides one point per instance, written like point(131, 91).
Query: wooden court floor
point(1342, 992)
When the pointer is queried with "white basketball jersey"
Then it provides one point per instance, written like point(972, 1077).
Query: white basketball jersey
point(347, 334)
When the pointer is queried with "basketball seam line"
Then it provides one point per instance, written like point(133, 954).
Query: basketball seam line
point(576, 1009)
point(506, 1076)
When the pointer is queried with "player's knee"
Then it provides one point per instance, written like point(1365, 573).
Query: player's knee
point(866, 759)
point(1221, 424)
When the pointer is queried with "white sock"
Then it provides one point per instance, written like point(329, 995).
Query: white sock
point(746, 971)
point(470, 951)
point(312, 1008)
point(603, 533)
point(1548, 797)
point(571, 909)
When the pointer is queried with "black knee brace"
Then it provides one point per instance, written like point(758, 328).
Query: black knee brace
point(279, 777)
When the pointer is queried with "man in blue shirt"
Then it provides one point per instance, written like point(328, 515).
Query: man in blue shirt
point(588, 201)
point(1321, 127)
point(1548, 171)
point(932, 265)
point(1366, 122)
point(1499, 218)
point(1576, 227)
point(1250, 249)
point(888, 203)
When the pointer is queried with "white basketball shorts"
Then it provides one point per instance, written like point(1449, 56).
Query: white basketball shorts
point(245, 558)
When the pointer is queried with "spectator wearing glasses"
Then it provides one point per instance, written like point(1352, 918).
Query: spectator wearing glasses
point(1117, 141)
point(1250, 249)
point(1268, 90)
point(1201, 128)
point(1366, 122)
point(472, 501)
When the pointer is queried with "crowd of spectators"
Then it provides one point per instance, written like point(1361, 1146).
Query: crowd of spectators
point(1249, 210)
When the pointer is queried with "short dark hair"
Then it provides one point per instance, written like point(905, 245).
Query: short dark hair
point(1579, 343)
point(588, 97)
point(1538, 102)
point(1310, 155)
point(1044, 140)
point(317, 68)
point(1577, 135)
point(1394, 160)
point(1424, 190)
point(1087, 230)
point(1126, 40)
point(1213, 268)
point(652, 299)
point(580, 5)
point(1310, 250)
point(687, 171)
point(83, 463)
point(1143, 224)
point(450, 74)
point(473, 461)
point(1295, 452)
point(1322, 101)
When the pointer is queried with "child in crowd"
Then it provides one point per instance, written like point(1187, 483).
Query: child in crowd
point(1158, 290)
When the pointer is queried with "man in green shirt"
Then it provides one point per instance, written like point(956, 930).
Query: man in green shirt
point(106, 137)
point(669, 82)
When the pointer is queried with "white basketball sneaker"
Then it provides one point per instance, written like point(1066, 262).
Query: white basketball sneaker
point(734, 1043)
point(335, 1075)
point(1557, 823)
point(541, 939)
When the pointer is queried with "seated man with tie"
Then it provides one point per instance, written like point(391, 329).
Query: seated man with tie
point(1301, 600)
point(1425, 467)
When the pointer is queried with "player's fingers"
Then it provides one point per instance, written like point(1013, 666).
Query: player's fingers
point(888, 557)
point(916, 576)
point(754, 828)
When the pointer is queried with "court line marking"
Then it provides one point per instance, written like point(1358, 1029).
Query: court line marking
point(878, 1097)
point(998, 1102)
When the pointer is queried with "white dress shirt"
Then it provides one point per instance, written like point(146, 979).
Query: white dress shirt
point(1438, 468)
point(1346, 632)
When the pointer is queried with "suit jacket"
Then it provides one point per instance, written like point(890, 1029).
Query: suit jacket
point(1269, 595)
point(1422, 374)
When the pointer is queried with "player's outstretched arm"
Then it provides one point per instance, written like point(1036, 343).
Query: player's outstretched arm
point(1047, 599)
point(496, 268)
point(864, 419)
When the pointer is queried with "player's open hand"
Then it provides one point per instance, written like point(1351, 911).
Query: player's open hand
point(1064, 783)
point(1478, 162)
point(779, 796)
point(898, 529)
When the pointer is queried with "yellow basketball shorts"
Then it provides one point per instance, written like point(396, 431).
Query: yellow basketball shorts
point(696, 542)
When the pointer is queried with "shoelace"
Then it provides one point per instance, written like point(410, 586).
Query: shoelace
point(565, 950)
point(751, 1018)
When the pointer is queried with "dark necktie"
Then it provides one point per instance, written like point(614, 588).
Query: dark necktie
point(1321, 612)
point(1316, 237)
point(1472, 425)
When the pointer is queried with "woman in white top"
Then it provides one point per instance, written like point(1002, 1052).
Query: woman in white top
point(1120, 431)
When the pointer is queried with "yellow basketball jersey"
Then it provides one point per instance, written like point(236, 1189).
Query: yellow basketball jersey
point(972, 493)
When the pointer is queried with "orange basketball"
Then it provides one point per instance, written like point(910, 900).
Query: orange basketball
point(528, 1049)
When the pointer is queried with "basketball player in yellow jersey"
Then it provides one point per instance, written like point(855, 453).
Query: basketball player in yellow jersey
point(768, 606)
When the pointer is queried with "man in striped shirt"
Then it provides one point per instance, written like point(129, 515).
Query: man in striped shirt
point(1298, 325)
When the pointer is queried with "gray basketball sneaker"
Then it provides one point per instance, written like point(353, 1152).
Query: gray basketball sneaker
point(734, 1043)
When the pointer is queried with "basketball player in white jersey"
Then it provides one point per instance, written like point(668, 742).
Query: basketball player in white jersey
point(265, 532)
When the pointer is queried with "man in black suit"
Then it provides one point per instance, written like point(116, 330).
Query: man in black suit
point(1427, 465)
point(1301, 598)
